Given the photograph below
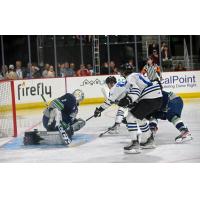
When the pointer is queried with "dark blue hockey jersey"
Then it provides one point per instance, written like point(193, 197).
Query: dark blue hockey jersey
point(67, 104)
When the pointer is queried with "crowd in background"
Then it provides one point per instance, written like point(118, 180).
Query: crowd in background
point(66, 69)
point(166, 57)
point(69, 69)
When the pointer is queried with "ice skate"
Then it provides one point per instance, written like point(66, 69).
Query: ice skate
point(154, 130)
point(133, 148)
point(183, 137)
point(149, 144)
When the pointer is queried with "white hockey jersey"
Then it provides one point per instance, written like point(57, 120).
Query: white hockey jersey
point(136, 86)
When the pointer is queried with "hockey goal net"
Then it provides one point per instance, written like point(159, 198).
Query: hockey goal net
point(8, 124)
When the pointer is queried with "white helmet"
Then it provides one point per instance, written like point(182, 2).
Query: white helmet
point(79, 95)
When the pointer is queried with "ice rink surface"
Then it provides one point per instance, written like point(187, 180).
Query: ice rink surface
point(109, 148)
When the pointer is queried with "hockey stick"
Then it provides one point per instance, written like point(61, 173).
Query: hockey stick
point(45, 101)
point(109, 129)
point(89, 118)
point(100, 135)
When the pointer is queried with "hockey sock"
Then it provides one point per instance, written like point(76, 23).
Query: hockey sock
point(178, 123)
point(133, 129)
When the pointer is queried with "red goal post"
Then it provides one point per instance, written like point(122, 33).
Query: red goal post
point(8, 119)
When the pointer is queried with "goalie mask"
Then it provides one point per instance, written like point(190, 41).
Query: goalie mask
point(79, 95)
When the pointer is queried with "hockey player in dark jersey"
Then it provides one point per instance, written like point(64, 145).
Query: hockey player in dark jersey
point(171, 110)
point(61, 115)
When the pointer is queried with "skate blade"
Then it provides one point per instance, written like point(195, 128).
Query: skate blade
point(183, 140)
point(133, 151)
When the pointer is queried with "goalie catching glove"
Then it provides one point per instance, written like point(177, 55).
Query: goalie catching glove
point(97, 112)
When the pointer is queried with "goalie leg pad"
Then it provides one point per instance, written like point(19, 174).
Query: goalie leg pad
point(65, 134)
point(79, 123)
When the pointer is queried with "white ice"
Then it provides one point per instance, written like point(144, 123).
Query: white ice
point(110, 147)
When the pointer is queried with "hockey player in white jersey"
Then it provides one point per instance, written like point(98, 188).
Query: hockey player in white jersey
point(121, 112)
point(142, 97)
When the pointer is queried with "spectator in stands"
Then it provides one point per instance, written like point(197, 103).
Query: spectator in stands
point(72, 66)
point(115, 71)
point(45, 71)
point(105, 69)
point(69, 71)
point(180, 67)
point(83, 71)
point(166, 58)
point(152, 47)
point(11, 74)
point(19, 71)
point(62, 71)
point(1, 75)
point(90, 68)
point(112, 66)
point(4, 70)
point(51, 72)
point(155, 57)
point(35, 71)
point(163, 44)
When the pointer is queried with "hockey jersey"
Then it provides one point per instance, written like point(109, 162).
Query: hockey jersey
point(67, 105)
point(137, 87)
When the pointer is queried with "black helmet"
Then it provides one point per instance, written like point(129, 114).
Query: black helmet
point(111, 80)
point(126, 69)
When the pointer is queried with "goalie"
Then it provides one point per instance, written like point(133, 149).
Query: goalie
point(59, 117)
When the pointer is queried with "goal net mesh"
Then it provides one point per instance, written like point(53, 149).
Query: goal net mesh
point(6, 110)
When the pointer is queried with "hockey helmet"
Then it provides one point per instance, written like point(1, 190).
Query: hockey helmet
point(126, 69)
point(79, 95)
point(111, 80)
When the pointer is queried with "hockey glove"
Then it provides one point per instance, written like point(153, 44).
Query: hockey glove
point(97, 112)
point(125, 102)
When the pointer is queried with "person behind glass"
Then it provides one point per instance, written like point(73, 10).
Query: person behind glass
point(35, 71)
point(162, 45)
point(45, 71)
point(19, 71)
point(165, 54)
point(72, 67)
point(62, 70)
point(69, 70)
point(155, 57)
point(115, 71)
point(112, 66)
point(90, 68)
point(83, 71)
point(105, 69)
point(1, 75)
point(166, 58)
point(4, 71)
point(152, 47)
point(180, 67)
point(51, 72)
point(11, 74)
